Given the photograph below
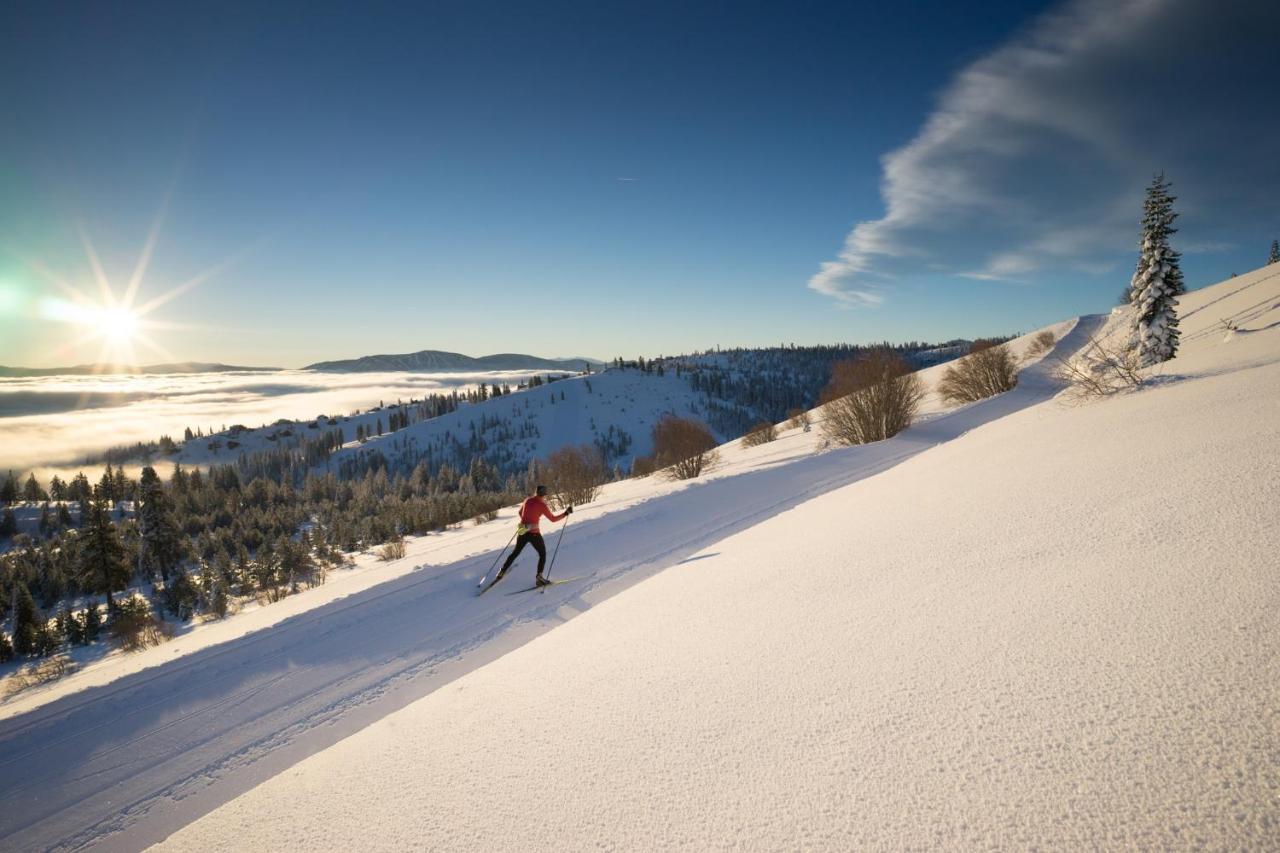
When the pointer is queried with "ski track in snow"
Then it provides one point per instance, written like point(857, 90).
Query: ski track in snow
point(128, 763)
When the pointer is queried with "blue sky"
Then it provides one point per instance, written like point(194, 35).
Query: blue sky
point(371, 178)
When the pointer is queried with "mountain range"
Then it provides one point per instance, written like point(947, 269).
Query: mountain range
point(437, 361)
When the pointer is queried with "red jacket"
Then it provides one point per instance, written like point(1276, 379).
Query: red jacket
point(533, 509)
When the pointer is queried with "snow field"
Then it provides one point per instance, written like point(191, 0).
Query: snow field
point(1056, 630)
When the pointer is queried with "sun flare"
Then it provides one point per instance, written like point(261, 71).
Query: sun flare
point(114, 317)
point(117, 324)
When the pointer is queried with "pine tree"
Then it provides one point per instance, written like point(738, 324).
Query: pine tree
point(6, 648)
point(9, 490)
point(1274, 257)
point(92, 623)
point(1157, 281)
point(25, 620)
point(79, 490)
point(8, 524)
point(161, 539)
point(31, 492)
point(75, 629)
point(48, 638)
point(103, 568)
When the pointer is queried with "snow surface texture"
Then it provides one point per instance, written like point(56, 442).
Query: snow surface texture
point(177, 730)
point(788, 724)
point(1058, 630)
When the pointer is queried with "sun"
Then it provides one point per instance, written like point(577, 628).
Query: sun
point(117, 324)
point(114, 317)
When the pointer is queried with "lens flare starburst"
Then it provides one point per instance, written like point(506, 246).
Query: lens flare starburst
point(98, 312)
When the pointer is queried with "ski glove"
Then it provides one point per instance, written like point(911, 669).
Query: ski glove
point(569, 511)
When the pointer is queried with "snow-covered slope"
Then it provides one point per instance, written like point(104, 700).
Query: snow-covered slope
point(615, 409)
point(1054, 629)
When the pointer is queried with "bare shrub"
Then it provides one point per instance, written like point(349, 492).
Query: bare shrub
point(643, 466)
point(761, 433)
point(393, 550)
point(870, 398)
point(134, 626)
point(1040, 344)
point(486, 516)
point(574, 474)
point(982, 374)
point(1099, 371)
point(797, 418)
point(40, 672)
point(685, 447)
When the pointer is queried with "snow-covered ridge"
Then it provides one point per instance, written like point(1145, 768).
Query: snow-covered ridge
point(614, 410)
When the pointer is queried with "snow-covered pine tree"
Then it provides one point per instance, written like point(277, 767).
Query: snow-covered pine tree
point(103, 566)
point(161, 539)
point(1157, 281)
point(25, 620)
point(1274, 257)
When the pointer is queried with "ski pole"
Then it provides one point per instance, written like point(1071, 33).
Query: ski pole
point(557, 550)
point(496, 559)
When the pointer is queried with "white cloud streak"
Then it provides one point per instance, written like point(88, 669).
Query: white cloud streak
point(1036, 155)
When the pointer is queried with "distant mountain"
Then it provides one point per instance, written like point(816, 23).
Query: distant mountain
point(128, 369)
point(436, 361)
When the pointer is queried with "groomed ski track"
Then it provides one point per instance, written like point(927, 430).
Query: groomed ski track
point(124, 765)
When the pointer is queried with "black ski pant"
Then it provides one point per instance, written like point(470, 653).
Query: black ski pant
point(533, 538)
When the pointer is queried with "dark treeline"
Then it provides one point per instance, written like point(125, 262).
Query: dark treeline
point(743, 386)
point(202, 540)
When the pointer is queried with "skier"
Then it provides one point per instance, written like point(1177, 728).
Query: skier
point(531, 512)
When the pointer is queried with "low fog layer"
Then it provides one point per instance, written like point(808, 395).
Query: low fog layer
point(53, 421)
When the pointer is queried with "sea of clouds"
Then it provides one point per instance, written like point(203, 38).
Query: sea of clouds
point(52, 423)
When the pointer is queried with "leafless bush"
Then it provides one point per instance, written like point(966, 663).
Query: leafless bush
point(683, 446)
point(870, 398)
point(1099, 371)
point(393, 550)
point(40, 672)
point(643, 466)
point(575, 474)
point(134, 627)
point(761, 433)
point(486, 516)
point(797, 418)
point(1040, 344)
point(984, 373)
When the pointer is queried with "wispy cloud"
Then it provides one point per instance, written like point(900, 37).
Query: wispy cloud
point(1036, 155)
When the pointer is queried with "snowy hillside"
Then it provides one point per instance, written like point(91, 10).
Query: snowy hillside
point(614, 410)
point(1054, 628)
point(1019, 623)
